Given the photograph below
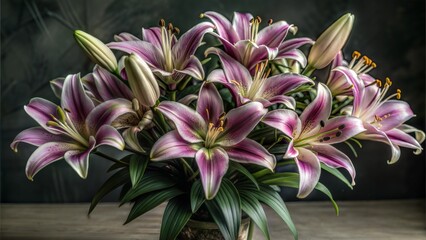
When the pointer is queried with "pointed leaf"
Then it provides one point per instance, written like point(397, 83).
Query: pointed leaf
point(335, 172)
point(241, 169)
point(150, 182)
point(137, 168)
point(197, 196)
point(150, 201)
point(175, 217)
point(119, 178)
point(225, 209)
point(253, 208)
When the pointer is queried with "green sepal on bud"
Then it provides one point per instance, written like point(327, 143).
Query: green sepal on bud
point(96, 50)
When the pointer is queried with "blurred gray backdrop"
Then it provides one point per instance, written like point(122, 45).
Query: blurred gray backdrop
point(37, 45)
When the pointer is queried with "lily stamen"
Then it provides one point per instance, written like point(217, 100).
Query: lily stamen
point(254, 28)
point(363, 65)
point(66, 127)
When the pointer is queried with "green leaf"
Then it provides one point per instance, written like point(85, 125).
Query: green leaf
point(335, 172)
point(175, 217)
point(117, 179)
point(240, 168)
point(197, 196)
point(271, 198)
point(137, 168)
point(292, 180)
point(225, 209)
point(151, 200)
point(150, 182)
point(253, 208)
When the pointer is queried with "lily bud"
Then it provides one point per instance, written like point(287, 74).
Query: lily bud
point(141, 80)
point(97, 51)
point(330, 42)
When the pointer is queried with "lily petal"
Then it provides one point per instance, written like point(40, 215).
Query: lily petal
point(171, 146)
point(108, 135)
point(130, 136)
point(218, 76)
point(318, 110)
point(209, 105)
point(309, 171)
point(36, 136)
point(334, 158)
point(419, 134)
point(234, 71)
point(106, 112)
point(189, 42)
point(79, 160)
point(41, 110)
point(284, 83)
point(190, 125)
point(123, 37)
point(223, 26)
point(75, 100)
point(145, 50)
point(358, 86)
point(284, 120)
point(340, 129)
point(241, 24)
point(47, 154)
point(109, 86)
point(213, 164)
point(403, 139)
point(291, 152)
point(152, 35)
point(193, 68)
point(249, 151)
point(240, 122)
point(273, 35)
point(57, 85)
point(293, 44)
point(295, 55)
point(393, 113)
point(289, 102)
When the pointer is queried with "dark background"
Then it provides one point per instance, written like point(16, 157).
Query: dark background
point(37, 46)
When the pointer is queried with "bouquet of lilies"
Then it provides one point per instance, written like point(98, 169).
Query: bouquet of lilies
point(216, 137)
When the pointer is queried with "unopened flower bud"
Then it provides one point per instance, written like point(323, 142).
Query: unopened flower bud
point(330, 42)
point(97, 51)
point(141, 80)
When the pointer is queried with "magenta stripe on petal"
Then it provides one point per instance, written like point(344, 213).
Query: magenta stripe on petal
point(241, 24)
point(309, 171)
point(209, 104)
point(292, 44)
point(193, 68)
point(249, 151)
point(79, 160)
point(318, 110)
point(190, 125)
point(109, 86)
point(340, 129)
point(47, 154)
point(75, 99)
point(36, 136)
point(152, 35)
point(393, 113)
point(223, 26)
point(284, 120)
point(108, 135)
point(273, 35)
point(171, 146)
point(213, 164)
point(41, 110)
point(240, 122)
point(403, 139)
point(334, 158)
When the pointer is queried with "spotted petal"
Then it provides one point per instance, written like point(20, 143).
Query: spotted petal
point(47, 154)
point(309, 171)
point(318, 110)
point(249, 151)
point(79, 159)
point(213, 164)
point(339, 129)
point(36, 136)
point(190, 125)
point(393, 113)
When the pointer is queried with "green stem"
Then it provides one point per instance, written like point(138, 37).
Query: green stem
point(173, 95)
point(251, 230)
point(100, 154)
point(187, 167)
point(344, 104)
point(308, 70)
point(194, 175)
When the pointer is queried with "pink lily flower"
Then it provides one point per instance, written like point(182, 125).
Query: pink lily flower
point(212, 137)
point(311, 136)
point(243, 41)
point(382, 116)
point(70, 131)
point(261, 88)
point(171, 59)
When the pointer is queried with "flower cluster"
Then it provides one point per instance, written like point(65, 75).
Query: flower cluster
point(213, 142)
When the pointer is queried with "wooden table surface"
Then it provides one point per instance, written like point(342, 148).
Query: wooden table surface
point(361, 220)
